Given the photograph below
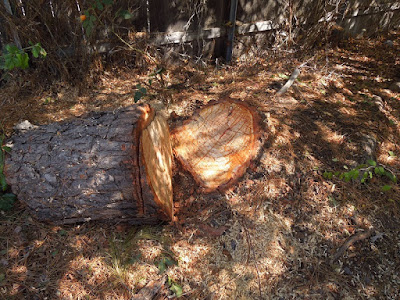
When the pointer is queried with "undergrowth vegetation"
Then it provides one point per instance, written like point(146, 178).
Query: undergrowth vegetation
point(363, 173)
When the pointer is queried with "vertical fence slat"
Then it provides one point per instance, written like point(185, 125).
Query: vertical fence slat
point(16, 38)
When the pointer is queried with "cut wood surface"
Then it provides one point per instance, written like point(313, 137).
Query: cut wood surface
point(112, 165)
point(217, 144)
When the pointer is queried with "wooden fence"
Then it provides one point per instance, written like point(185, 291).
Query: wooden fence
point(198, 27)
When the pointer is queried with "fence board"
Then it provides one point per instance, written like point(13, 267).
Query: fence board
point(56, 23)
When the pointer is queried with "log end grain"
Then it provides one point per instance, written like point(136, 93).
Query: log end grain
point(217, 144)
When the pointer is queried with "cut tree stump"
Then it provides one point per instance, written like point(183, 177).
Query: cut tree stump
point(217, 144)
point(114, 165)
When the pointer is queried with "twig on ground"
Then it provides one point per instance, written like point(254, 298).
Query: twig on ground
point(151, 289)
point(291, 80)
point(251, 249)
point(350, 241)
point(289, 83)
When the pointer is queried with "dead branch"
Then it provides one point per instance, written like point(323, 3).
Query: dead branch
point(350, 241)
point(151, 289)
point(289, 83)
point(251, 249)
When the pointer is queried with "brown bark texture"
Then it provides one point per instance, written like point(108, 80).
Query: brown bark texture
point(97, 167)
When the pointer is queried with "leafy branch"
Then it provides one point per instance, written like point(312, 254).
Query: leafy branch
point(174, 287)
point(93, 16)
point(364, 173)
point(142, 91)
point(12, 57)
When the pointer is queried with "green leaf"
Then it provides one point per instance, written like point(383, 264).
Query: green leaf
point(62, 232)
point(100, 6)
point(347, 176)
point(7, 201)
point(43, 52)
point(333, 201)
point(35, 52)
point(126, 15)
point(12, 49)
point(38, 50)
point(170, 262)
point(371, 162)
point(390, 176)
point(158, 71)
point(6, 149)
point(161, 266)
point(355, 174)
point(23, 60)
point(381, 170)
point(391, 153)
point(335, 159)
point(143, 90)
point(10, 62)
point(138, 95)
point(3, 183)
point(89, 29)
point(386, 188)
point(327, 175)
point(176, 289)
point(283, 76)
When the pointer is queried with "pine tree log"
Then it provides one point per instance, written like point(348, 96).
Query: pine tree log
point(217, 144)
point(112, 165)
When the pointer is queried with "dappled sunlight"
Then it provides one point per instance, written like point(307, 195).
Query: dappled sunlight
point(192, 257)
point(248, 254)
point(329, 135)
point(276, 229)
point(19, 272)
point(218, 142)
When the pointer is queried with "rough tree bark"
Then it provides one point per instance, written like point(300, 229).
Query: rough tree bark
point(112, 165)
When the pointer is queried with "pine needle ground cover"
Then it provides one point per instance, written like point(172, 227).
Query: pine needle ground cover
point(283, 230)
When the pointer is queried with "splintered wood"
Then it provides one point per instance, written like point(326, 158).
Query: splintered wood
point(217, 144)
point(157, 154)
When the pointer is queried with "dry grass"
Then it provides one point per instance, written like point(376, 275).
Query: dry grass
point(272, 235)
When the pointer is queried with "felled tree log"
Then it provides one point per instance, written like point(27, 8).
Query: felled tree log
point(217, 144)
point(112, 165)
